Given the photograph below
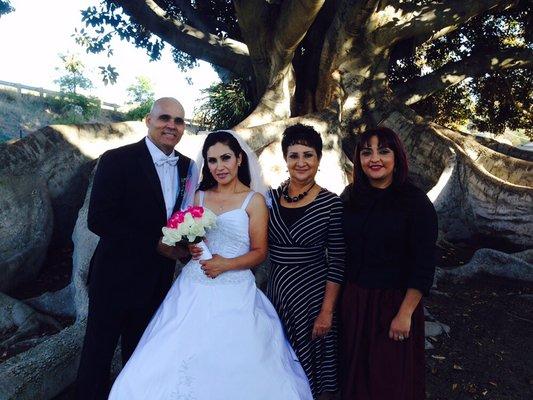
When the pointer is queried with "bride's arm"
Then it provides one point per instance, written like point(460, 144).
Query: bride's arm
point(258, 230)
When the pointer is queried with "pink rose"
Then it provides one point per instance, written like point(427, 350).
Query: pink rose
point(176, 219)
point(196, 212)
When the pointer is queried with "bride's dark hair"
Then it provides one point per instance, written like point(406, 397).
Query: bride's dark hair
point(229, 140)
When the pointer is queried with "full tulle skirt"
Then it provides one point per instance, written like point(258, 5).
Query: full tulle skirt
point(213, 341)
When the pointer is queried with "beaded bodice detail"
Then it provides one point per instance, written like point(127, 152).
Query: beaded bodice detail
point(229, 238)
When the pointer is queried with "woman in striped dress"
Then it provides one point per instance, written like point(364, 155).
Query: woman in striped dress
point(307, 260)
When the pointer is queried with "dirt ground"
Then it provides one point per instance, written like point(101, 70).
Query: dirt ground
point(488, 353)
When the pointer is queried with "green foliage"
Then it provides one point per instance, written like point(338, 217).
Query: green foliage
point(72, 78)
point(225, 104)
point(452, 107)
point(5, 7)
point(71, 82)
point(109, 74)
point(74, 108)
point(105, 21)
point(138, 113)
point(495, 101)
point(183, 60)
point(505, 101)
point(141, 91)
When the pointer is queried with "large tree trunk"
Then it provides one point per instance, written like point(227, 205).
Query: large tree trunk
point(478, 191)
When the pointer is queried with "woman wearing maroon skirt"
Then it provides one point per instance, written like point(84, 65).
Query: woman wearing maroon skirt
point(390, 227)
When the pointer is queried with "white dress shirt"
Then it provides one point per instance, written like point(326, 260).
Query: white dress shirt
point(167, 172)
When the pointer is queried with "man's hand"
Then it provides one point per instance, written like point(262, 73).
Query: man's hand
point(176, 252)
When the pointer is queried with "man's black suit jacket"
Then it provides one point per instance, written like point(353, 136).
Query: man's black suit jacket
point(127, 211)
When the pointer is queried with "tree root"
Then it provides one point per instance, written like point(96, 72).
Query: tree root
point(511, 266)
point(23, 321)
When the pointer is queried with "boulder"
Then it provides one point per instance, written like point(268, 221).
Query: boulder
point(43, 180)
point(19, 321)
point(511, 266)
point(60, 303)
point(434, 328)
point(44, 371)
point(26, 223)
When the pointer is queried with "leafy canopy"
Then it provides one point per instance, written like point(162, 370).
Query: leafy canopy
point(493, 100)
point(5, 7)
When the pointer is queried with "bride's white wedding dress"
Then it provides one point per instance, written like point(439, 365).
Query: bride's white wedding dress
point(215, 339)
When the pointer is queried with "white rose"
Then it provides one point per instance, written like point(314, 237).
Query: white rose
point(181, 230)
point(209, 218)
point(196, 230)
point(170, 236)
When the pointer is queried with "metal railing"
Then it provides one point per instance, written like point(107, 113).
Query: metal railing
point(45, 92)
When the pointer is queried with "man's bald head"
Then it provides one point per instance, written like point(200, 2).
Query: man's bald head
point(165, 102)
point(165, 123)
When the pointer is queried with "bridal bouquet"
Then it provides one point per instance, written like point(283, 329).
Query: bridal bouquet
point(189, 226)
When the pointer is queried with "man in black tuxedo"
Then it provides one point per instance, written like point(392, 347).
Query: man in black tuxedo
point(135, 190)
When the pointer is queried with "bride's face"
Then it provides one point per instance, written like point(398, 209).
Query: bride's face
point(222, 163)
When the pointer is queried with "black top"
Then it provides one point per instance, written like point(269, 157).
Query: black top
point(390, 236)
point(291, 215)
point(313, 240)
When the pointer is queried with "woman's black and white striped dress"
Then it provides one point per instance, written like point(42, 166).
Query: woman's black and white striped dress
point(303, 257)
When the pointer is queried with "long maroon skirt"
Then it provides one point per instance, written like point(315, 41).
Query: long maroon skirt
point(374, 367)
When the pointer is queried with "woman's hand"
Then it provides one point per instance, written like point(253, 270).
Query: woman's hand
point(400, 326)
point(196, 252)
point(322, 324)
point(215, 266)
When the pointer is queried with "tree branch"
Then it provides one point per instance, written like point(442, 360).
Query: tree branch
point(227, 53)
point(254, 23)
point(190, 13)
point(396, 22)
point(199, 20)
point(451, 74)
point(296, 16)
point(343, 41)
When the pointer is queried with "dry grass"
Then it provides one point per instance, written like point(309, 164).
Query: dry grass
point(21, 114)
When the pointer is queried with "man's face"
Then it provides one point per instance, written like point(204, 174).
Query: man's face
point(165, 124)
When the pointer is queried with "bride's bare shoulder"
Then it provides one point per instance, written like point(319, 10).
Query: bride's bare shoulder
point(197, 197)
point(257, 202)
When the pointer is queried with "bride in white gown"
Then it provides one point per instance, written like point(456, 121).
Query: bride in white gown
point(216, 336)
